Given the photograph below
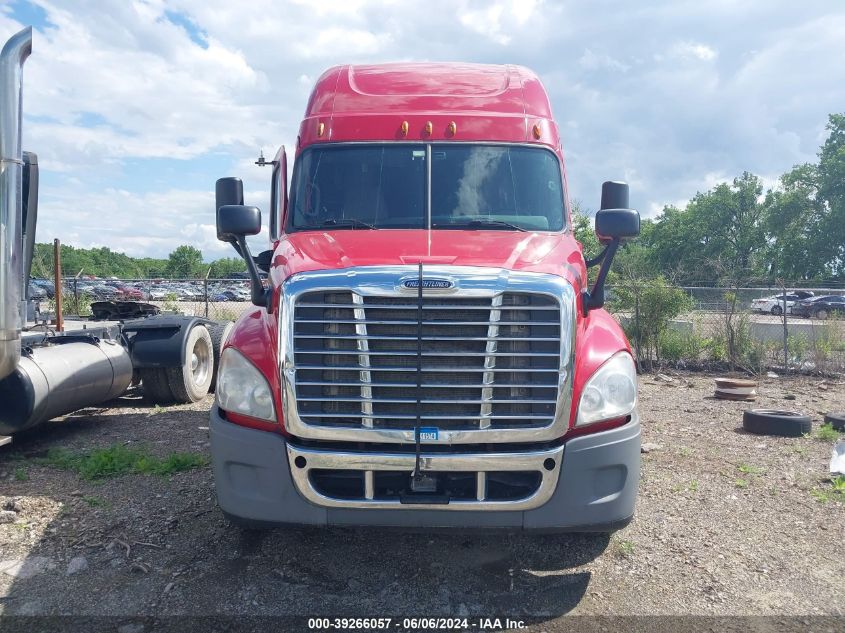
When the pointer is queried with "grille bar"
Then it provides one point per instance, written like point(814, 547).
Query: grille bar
point(349, 352)
point(375, 306)
point(553, 370)
point(413, 400)
point(364, 361)
point(435, 322)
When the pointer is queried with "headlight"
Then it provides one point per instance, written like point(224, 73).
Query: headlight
point(241, 388)
point(611, 392)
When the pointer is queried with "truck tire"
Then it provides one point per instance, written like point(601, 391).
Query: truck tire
point(836, 420)
point(781, 423)
point(219, 333)
point(190, 383)
point(156, 385)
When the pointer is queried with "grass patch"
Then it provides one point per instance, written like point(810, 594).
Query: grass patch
point(693, 486)
point(96, 502)
point(741, 483)
point(827, 433)
point(747, 469)
point(835, 493)
point(119, 460)
point(21, 474)
point(626, 548)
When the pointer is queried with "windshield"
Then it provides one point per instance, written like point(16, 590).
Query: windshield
point(496, 187)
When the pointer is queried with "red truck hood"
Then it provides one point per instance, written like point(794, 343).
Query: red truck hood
point(557, 254)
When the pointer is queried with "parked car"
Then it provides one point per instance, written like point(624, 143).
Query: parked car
point(774, 305)
point(37, 292)
point(46, 285)
point(821, 307)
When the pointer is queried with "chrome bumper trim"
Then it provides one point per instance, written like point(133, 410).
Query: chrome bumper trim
point(432, 462)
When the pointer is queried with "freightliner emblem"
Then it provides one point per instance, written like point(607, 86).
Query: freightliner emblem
point(429, 283)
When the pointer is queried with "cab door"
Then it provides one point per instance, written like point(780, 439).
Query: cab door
point(278, 195)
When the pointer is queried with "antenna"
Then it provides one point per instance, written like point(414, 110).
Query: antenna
point(261, 162)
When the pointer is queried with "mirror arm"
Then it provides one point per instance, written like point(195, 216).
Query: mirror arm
point(598, 258)
point(592, 299)
point(260, 295)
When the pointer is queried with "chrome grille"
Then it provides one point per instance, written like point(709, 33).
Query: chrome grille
point(356, 364)
point(495, 361)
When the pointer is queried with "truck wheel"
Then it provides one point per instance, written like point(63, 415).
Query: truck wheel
point(836, 420)
point(190, 383)
point(156, 386)
point(219, 333)
point(782, 423)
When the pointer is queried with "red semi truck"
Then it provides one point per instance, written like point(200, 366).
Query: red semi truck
point(426, 350)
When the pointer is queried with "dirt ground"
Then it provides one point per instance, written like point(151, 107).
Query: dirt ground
point(727, 523)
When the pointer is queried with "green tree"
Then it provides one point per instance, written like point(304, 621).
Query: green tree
point(185, 262)
point(805, 219)
point(719, 234)
point(225, 266)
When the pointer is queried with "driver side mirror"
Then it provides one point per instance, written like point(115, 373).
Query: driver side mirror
point(614, 219)
point(615, 223)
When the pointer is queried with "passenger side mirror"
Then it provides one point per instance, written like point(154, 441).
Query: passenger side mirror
point(234, 222)
point(228, 191)
point(237, 220)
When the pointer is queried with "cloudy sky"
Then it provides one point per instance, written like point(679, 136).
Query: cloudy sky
point(135, 108)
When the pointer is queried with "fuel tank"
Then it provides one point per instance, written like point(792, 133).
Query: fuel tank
point(61, 377)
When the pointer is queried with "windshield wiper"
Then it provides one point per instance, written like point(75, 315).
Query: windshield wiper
point(344, 223)
point(480, 223)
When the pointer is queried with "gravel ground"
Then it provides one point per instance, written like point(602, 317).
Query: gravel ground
point(726, 524)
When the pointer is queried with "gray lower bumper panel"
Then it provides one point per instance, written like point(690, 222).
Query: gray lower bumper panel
point(596, 489)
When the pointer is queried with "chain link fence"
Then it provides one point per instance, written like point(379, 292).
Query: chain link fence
point(217, 299)
point(753, 329)
point(668, 326)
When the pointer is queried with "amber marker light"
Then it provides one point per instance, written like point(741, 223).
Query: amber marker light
point(537, 131)
point(321, 127)
point(429, 128)
point(404, 128)
point(453, 128)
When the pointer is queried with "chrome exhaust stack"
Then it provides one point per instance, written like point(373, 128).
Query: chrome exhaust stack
point(12, 306)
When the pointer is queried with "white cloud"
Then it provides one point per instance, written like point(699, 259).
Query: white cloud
point(694, 50)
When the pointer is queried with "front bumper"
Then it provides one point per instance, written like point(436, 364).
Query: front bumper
point(595, 488)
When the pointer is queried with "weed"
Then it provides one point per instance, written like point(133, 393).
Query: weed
point(820, 495)
point(693, 486)
point(95, 502)
point(21, 474)
point(118, 460)
point(801, 450)
point(741, 483)
point(836, 493)
point(686, 451)
point(827, 433)
point(157, 409)
point(747, 469)
point(626, 548)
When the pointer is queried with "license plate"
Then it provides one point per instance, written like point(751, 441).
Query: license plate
point(429, 434)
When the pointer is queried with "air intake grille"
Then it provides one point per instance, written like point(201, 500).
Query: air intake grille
point(486, 362)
